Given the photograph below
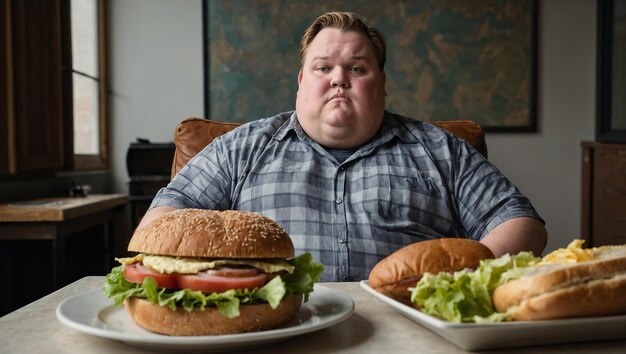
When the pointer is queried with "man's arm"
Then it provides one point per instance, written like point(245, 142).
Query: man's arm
point(515, 235)
point(153, 214)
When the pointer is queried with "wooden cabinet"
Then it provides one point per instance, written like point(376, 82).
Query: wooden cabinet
point(50, 242)
point(603, 193)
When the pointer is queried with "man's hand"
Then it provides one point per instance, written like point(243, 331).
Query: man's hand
point(153, 214)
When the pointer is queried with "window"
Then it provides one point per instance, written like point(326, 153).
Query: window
point(88, 108)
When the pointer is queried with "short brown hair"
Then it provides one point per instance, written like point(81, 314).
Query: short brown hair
point(346, 21)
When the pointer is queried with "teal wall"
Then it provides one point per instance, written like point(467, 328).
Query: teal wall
point(452, 59)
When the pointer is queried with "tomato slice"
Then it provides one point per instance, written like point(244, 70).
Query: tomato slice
point(136, 272)
point(220, 279)
point(210, 283)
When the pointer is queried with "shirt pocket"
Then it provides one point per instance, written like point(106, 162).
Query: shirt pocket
point(415, 199)
point(424, 184)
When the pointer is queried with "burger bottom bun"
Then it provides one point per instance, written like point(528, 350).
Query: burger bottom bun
point(252, 318)
point(595, 298)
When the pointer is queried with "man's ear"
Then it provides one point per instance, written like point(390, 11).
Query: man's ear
point(299, 77)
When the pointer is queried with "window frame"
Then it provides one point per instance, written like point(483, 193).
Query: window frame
point(78, 162)
point(8, 164)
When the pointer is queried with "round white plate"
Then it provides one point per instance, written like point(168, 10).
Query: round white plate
point(91, 312)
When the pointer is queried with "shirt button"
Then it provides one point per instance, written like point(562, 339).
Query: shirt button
point(339, 200)
point(344, 278)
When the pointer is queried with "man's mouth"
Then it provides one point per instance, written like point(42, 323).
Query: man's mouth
point(339, 96)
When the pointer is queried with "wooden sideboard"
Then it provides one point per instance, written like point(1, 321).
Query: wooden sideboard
point(603, 219)
point(48, 243)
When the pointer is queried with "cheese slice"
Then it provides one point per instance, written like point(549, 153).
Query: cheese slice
point(180, 265)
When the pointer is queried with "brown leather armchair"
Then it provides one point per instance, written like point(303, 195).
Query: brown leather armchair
point(193, 134)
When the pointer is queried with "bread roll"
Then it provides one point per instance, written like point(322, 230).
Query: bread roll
point(402, 269)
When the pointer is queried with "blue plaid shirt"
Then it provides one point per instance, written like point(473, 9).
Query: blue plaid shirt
point(410, 182)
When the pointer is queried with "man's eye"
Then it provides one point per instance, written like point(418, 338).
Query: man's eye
point(322, 69)
point(356, 69)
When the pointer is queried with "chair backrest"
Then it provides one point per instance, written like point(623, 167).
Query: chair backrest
point(193, 134)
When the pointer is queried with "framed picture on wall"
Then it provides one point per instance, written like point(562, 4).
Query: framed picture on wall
point(446, 60)
point(611, 72)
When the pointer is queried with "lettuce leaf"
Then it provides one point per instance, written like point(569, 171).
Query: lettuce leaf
point(301, 281)
point(304, 276)
point(465, 296)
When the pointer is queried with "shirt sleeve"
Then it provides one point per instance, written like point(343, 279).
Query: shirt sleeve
point(485, 197)
point(203, 183)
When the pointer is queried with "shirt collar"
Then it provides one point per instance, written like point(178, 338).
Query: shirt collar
point(394, 127)
point(390, 129)
point(292, 125)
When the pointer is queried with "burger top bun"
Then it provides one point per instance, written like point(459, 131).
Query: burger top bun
point(590, 288)
point(402, 269)
point(213, 234)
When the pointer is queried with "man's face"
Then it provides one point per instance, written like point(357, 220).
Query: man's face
point(341, 90)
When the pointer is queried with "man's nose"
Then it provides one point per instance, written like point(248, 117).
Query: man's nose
point(339, 78)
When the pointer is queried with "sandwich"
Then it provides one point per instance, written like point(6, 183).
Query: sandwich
point(204, 272)
point(568, 282)
point(401, 270)
point(595, 286)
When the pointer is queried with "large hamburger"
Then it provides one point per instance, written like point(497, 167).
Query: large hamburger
point(202, 272)
point(396, 273)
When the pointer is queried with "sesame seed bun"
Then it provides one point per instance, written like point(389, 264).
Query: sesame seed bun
point(213, 234)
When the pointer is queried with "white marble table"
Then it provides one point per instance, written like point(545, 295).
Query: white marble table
point(374, 327)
